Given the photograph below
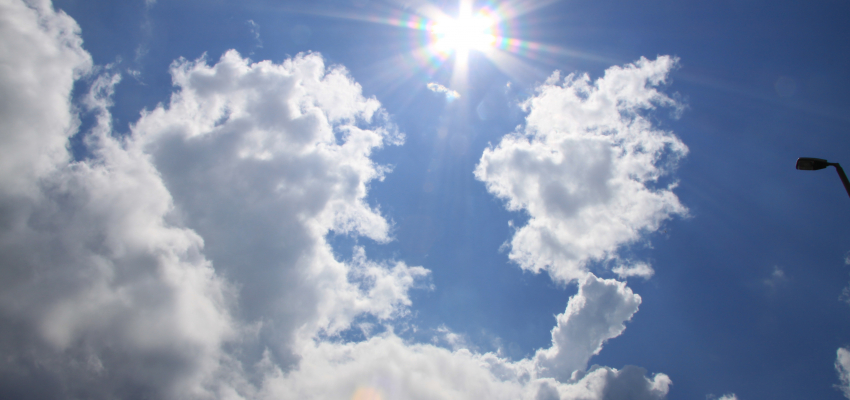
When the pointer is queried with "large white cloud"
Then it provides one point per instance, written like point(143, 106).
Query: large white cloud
point(96, 285)
point(189, 259)
point(585, 169)
point(264, 160)
point(386, 366)
point(103, 282)
point(42, 56)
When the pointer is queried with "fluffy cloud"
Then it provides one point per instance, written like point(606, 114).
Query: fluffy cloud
point(595, 314)
point(388, 367)
point(96, 285)
point(264, 160)
point(42, 56)
point(103, 279)
point(585, 168)
point(189, 258)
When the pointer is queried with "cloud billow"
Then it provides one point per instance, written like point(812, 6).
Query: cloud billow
point(101, 296)
point(263, 161)
point(584, 168)
point(189, 258)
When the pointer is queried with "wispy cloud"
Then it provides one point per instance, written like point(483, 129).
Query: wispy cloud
point(438, 88)
point(776, 279)
point(255, 31)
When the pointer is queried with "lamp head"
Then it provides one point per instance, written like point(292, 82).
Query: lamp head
point(811, 164)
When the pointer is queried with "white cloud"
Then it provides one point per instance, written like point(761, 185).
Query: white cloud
point(842, 366)
point(640, 269)
point(102, 281)
point(585, 168)
point(438, 88)
point(96, 285)
point(42, 56)
point(189, 259)
point(596, 313)
point(263, 161)
point(394, 369)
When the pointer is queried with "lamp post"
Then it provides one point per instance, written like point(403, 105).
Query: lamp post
point(813, 164)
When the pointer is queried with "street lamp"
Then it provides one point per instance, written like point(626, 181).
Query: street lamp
point(813, 164)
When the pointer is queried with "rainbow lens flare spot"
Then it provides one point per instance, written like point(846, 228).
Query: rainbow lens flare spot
point(367, 393)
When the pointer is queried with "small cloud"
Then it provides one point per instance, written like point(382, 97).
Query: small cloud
point(255, 30)
point(454, 340)
point(728, 396)
point(438, 88)
point(135, 74)
point(845, 294)
point(141, 51)
point(842, 366)
point(777, 278)
point(640, 269)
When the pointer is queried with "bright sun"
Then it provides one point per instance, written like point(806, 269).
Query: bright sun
point(467, 32)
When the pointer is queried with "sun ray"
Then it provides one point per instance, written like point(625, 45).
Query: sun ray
point(444, 40)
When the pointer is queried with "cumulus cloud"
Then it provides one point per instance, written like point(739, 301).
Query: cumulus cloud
point(586, 168)
point(104, 279)
point(189, 259)
point(387, 366)
point(598, 312)
point(438, 88)
point(96, 285)
point(390, 368)
point(42, 56)
point(263, 161)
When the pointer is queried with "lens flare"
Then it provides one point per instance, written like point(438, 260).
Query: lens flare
point(366, 393)
point(468, 32)
point(490, 28)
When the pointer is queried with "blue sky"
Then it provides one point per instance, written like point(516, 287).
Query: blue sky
point(333, 199)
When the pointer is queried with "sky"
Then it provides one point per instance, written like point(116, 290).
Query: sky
point(412, 199)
